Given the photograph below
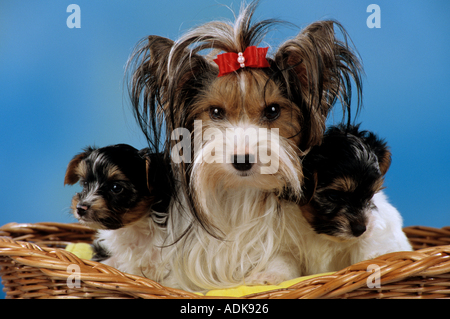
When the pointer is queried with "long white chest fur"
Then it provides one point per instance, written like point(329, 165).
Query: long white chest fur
point(258, 243)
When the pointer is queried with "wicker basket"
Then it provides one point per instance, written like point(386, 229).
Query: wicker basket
point(33, 264)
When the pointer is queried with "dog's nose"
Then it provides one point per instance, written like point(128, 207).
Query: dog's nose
point(243, 162)
point(358, 229)
point(81, 210)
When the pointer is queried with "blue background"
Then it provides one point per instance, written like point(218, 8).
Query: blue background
point(62, 89)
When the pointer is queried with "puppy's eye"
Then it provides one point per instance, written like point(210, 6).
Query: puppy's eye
point(116, 188)
point(333, 196)
point(216, 113)
point(271, 112)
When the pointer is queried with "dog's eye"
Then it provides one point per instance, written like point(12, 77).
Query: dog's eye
point(116, 188)
point(272, 112)
point(334, 196)
point(216, 113)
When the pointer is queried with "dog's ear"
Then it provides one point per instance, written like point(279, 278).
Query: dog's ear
point(149, 64)
point(72, 174)
point(323, 66)
point(310, 178)
point(148, 81)
point(144, 153)
point(379, 147)
point(165, 76)
point(376, 144)
point(159, 179)
point(384, 160)
point(383, 153)
point(309, 187)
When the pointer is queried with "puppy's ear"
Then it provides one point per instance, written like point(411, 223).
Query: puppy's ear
point(159, 179)
point(309, 188)
point(384, 162)
point(72, 175)
point(324, 67)
point(380, 148)
point(310, 178)
point(71, 172)
point(384, 158)
point(144, 153)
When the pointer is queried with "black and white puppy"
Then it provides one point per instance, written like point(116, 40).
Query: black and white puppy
point(350, 217)
point(117, 198)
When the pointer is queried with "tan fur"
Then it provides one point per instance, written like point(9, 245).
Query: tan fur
point(114, 173)
point(139, 211)
point(225, 93)
point(308, 212)
point(344, 184)
point(74, 169)
point(385, 162)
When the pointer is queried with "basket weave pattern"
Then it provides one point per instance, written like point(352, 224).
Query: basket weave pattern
point(33, 264)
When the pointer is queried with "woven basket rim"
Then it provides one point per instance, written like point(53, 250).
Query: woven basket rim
point(398, 271)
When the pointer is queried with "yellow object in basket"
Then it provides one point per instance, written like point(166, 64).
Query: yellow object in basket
point(81, 250)
point(85, 251)
point(248, 290)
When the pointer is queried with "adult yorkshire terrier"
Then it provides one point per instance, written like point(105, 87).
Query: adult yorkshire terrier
point(350, 217)
point(233, 122)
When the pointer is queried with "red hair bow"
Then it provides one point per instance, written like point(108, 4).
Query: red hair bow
point(252, 57)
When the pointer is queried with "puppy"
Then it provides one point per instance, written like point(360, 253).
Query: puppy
point(116, 199)
point(350, 217)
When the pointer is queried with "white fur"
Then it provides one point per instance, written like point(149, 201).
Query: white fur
point(133, 248)
point(258, 246)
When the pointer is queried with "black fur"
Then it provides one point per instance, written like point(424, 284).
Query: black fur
point(159, 177)
point(100, 252)
point(121, 197)
point(346, 153)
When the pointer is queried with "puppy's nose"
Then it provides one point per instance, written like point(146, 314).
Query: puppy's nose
point(358, 229)
point(81, 210)
point(243, 162)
